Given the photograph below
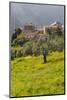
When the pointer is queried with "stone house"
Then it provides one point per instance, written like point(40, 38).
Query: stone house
point(52, 27)
point(29, 28)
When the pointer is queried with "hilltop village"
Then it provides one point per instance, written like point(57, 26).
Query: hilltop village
point(33, 31)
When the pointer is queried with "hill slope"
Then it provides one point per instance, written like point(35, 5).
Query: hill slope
point(29, 76)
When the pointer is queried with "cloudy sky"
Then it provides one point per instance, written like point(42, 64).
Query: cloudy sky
point(39, 15)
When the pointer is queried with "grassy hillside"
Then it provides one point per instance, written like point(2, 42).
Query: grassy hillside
point(30, 76)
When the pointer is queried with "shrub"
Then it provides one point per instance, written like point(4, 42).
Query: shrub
point(56, 43)
point(35, 49)
point(27, 48)
point(13, 54)
point(18, 53)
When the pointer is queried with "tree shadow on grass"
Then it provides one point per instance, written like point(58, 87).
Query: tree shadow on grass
point(55, 60)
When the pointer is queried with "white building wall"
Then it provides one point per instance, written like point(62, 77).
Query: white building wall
point(44, 30)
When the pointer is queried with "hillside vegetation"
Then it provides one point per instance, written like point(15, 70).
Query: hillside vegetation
point(29, 76)
point(24, 46)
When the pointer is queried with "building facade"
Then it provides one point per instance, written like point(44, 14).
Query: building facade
point(52, 28)
point(29, 28)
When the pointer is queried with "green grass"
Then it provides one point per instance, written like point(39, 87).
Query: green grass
point(30, 76)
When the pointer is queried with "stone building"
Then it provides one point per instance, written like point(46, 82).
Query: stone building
point(52, 28)
point(29, 28)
